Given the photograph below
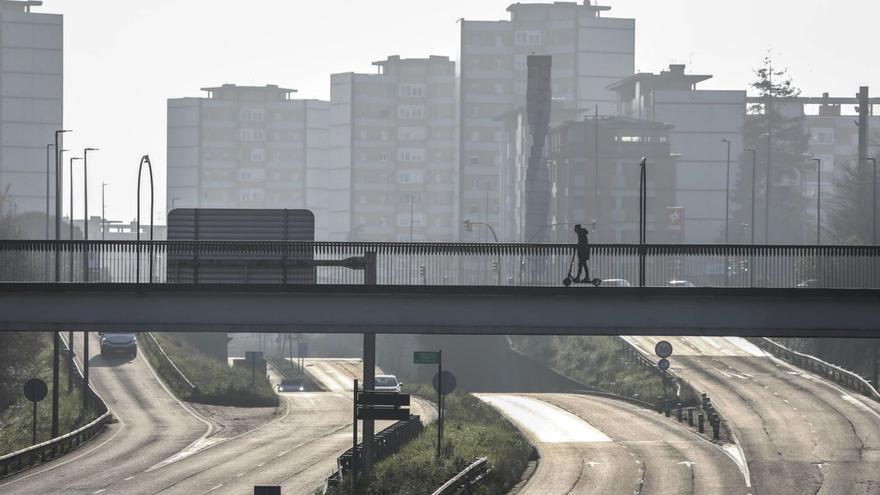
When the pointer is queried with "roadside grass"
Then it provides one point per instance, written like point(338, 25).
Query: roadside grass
point(597, 361)
point(473, 429)
point(16, 421)
point(216, 382)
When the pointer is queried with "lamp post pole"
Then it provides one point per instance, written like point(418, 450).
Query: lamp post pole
point(754, 164)
point(873, 202)
point(48, 176)
point(818, 200)
point(86, 211)
point(643, 200)
point(727, 195)
point(70, 218)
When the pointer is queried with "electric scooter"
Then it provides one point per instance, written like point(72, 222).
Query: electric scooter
point(569, 279)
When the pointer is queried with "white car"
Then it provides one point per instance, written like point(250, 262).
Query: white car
point(679, 283)
point(616, 282)
point(387, 383)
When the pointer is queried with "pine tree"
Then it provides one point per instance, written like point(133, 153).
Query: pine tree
point(787, 141)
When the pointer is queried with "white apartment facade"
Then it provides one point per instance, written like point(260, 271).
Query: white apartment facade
point(31, 102)
point(589, 51)
point(701, 120)
point(393, 150)
point(250, 147)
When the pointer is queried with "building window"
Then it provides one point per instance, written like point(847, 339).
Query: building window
point(411, 112)
point(475, 161)
point(528, 38)
point(822, 136)
point(411, 90)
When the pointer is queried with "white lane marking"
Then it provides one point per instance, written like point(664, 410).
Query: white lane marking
point(546, 422)
point(128, 479)
point(216, 487)
point(689, 464)
point(100, 491)
point(239, 475)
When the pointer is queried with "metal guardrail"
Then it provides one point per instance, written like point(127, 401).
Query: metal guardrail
point(387, 442)
point(26, 458)
point(827, 370)
point(467, 478)
point(193, 389)
point(425, 263)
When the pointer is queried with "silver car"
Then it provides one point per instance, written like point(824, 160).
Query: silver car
point(387, 383)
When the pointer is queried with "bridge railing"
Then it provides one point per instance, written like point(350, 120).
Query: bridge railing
point(401, 263)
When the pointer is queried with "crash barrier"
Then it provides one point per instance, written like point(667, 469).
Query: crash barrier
point(178, 374)
point(706, 413)
point(436, 263)
point(467, 479)
point(824, 369)
point(34, 455)
point(386, 442)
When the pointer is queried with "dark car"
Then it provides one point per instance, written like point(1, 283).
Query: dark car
point(291, 385)
point(118, 343)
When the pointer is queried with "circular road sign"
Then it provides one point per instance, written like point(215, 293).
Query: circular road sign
point(663, 349)
point(35, 390)
point(448, 382)
point(663, 364)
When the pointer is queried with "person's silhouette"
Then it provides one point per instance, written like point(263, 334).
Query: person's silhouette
point(583, 253)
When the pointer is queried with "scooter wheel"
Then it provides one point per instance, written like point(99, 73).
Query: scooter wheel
point(597, 282)
point(566, 281)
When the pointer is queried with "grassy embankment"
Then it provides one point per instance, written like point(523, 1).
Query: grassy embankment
point(473, 429)
point(216, 382)
point(597, 361)
point(16, 418)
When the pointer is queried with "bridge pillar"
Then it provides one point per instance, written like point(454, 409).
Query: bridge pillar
point(369, 384)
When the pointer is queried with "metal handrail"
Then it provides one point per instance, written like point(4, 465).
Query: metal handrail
point(56, 446)
point(468, 477)
point(831, 371)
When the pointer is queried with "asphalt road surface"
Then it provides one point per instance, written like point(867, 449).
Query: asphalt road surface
point(592, 445)
point(800, 433)
point(163, 446)
point(152, 426)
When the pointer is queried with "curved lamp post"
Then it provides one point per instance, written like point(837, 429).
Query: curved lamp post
point(144, 159)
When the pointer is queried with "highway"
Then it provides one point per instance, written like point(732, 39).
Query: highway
point(162, 446)
point(590, 444)
point(152, 426)
point(799, 432)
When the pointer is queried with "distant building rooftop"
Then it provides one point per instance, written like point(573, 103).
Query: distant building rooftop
point(233, 92)
point(587, 4)
point(674, 78)
point(19, 5)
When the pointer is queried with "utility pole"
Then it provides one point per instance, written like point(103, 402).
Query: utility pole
point(864, 112)
point(596, 161)
point(818, 200)
point(768, 112)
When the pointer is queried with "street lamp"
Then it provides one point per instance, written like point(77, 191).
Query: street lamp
point(873, 204)
point(818, 200)
point(144, 159)
point(70, 223)
point(727, 195)
point(487, 202)
point(86, 210)
point(754, 163)
point(643, 200)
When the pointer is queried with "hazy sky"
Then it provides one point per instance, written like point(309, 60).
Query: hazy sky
point(123, 59)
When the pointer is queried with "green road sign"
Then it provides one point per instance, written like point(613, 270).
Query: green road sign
point(426, 357)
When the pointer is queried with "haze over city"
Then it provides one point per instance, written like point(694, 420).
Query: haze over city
point(475, 247)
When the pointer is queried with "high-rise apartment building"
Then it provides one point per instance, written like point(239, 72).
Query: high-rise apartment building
point(31, 101)
point(393, 146)
point(250, 147)
point(589, 52)
point(701, 120)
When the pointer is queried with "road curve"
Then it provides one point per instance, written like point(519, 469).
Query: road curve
point(297, 451)
point(152, 425)
point(800, 433)
point(591, 444)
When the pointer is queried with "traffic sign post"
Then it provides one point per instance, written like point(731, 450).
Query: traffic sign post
point(663, 350)
point(370, 405)
point(35, 390)
point(434, 357)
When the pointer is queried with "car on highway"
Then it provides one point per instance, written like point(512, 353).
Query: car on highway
point(291, 385)
point(118, 343)
point(387, 383)
point(616, 282)
point(679, 283)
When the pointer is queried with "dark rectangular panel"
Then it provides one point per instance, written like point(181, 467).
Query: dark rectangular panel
point(370, 398)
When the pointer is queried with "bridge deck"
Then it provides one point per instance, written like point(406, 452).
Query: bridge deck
point(455, 309)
